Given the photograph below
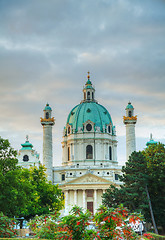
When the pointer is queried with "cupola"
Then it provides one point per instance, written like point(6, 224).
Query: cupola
point(129, 110)
point(47, 111)
point(151, 141)
point(27, 145)
point(89, 91)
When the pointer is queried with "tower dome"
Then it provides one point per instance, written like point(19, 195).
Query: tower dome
point(89, 135)
point(91, 112)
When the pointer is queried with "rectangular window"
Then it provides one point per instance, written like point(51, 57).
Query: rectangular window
point(63, 177)
point(116, 177)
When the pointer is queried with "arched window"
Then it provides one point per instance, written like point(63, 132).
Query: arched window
point(92, 96)
point(68, 130)
point(63, 177)
point(84, 96)
point(130, 114)
point(110, 153)
point(109, 129)
point(47, 115)
point(25, 158)
point(68, 153)
point(89, 152)
point(88, 95)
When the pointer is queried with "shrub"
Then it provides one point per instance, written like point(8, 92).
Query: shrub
point(114, 223)
point(6, 227)
point(157, 237)
point(110, 223)
point(148, 236)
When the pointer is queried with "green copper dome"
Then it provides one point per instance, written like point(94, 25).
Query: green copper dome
point(92, 111)
point(47, 107)
point(151, 141)
point(27, 145)
point(129, 105)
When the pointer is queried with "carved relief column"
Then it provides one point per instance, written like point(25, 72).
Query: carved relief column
point(95, 200)
point(84, 200)
point(75, 197)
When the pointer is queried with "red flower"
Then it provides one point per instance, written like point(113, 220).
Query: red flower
point(78, 223)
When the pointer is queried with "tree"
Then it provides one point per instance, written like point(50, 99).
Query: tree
point(8, 160)
point(143, 180)
point(132, 193)
point(25, 192)
point(155, 157)
point(45, 197)
point(12, 199)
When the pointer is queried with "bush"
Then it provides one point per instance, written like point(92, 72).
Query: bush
point(110, 223)
point(114, 223)
point(148, 236)
point(6, 227)
point(157, 237)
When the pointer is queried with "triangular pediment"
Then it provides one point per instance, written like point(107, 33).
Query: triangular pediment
point(89, 178)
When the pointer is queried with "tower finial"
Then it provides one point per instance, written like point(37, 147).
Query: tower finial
point(27, 138)
point(88, 75)
point(151, 136)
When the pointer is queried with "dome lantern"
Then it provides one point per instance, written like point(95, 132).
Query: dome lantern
point(89, 91)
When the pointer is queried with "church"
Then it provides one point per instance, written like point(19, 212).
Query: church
point(89, 151)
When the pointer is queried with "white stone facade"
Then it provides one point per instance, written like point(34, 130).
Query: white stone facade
point(100, 142)
point(47, 151)
point(47, 122)
point(130, 121)
point(27, 157)
point(130, 139)
point(89, 160)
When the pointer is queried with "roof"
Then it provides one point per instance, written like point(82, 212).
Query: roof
point(151, 141)
point(92, 111)
point(47, 107)
point(129, 105)
point(26, 146)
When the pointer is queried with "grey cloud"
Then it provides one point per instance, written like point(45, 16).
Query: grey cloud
point(46, 48)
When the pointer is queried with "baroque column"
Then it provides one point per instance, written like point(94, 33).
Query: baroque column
point(84, 200)
point(95, 200)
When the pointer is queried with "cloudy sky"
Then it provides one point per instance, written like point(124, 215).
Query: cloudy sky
point(48, 46)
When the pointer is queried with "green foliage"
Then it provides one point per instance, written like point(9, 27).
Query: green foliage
point(6, 227)
point(44, 197)
point(143, 169)
point(71, 227)
point(77, 223)
point(157, 237)
point(111, 224)
point(25, 192)
point(155, 156)
point(12, 198)
point(8, 155)
point(114, 223)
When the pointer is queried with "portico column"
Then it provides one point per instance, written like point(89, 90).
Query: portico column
point(84, 200)
point(66, 202)
point(95, 200)
point(75, 197)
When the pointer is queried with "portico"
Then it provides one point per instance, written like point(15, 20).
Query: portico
point(85, 191)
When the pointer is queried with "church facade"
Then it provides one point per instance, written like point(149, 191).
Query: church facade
point(89, 145)
point(89, 151)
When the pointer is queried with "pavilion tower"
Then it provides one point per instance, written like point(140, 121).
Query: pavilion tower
point(130, 121)
point(47, 122)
